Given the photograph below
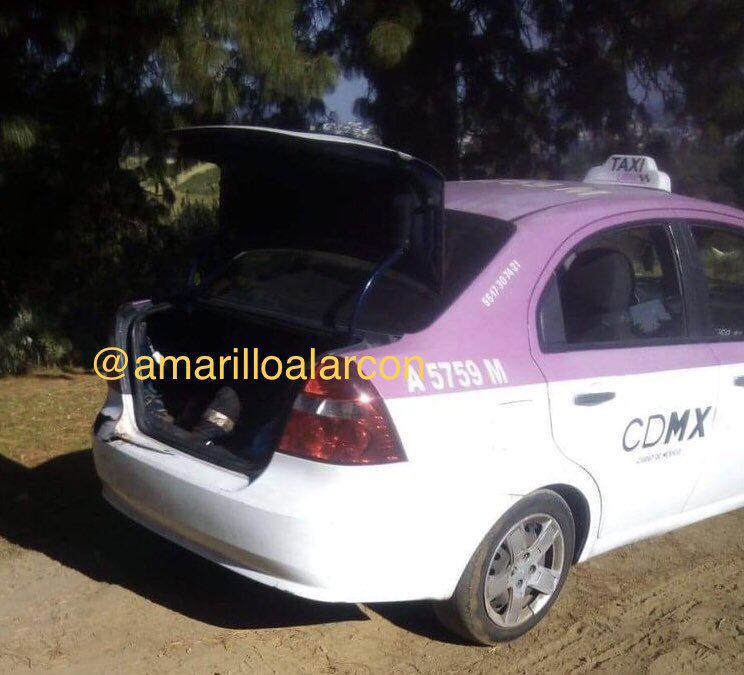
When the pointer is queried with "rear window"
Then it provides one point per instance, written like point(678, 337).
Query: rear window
point(323, 287)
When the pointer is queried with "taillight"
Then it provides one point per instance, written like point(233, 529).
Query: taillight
point(341, 422)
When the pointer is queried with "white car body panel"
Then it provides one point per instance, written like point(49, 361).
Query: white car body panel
point(654, 479)
point(318, 530)
point(722, 473)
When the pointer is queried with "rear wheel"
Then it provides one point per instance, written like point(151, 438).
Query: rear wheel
point(516, 573)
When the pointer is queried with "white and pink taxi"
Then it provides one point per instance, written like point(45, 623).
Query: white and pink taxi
point(582, 388)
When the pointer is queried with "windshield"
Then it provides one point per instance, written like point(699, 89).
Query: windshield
point(322, 287)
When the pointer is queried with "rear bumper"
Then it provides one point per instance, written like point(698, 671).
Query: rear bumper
point(343, 534)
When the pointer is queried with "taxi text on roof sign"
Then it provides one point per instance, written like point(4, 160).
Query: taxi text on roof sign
point(636, 170)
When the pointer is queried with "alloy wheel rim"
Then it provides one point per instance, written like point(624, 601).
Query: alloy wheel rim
point(524, 570)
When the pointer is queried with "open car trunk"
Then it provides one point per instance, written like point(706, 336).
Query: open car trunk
point(318, 237)
point(235, 419)
point(322, 242)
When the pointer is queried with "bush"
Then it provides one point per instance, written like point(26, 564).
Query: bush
point(28, 342)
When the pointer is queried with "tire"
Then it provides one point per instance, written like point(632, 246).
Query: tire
point(510, 605)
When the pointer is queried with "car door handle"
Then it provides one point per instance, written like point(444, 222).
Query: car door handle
point(739, 381)
point(595, 398)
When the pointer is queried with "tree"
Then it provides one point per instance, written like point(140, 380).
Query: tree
point(409, 56)
point(82, 82)
point(505, 87)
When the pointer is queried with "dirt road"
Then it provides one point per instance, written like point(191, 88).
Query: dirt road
point(84, 590)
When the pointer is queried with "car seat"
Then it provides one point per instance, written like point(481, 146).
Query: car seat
point(596, 295)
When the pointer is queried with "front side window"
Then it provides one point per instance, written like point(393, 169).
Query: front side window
point(619, 286)
point(721, 254)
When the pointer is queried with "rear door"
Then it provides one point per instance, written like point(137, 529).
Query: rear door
point(632, 396)
point(719, 248)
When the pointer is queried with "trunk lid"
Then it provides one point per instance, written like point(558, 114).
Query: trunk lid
point(286, 189)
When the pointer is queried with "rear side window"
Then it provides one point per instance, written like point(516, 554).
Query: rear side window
point(619, 287)
point(721, 254)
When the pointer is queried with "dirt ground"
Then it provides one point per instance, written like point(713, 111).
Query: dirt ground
point(84, 590)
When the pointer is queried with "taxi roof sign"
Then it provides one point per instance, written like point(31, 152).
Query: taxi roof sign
point(633, 170)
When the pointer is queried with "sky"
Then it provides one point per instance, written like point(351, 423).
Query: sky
point(343, 97)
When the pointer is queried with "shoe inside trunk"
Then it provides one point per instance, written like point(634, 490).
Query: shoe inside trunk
point(232, 420)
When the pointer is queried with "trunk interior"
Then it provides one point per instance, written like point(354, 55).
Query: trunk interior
point(232, 421)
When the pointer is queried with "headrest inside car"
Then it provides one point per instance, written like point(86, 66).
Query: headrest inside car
point(600, 280)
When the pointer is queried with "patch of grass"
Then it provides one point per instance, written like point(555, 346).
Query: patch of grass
point(202, 183)
point(47, 413)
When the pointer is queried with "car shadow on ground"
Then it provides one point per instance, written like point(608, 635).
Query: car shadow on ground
point(57, 509)
point(419, 618)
